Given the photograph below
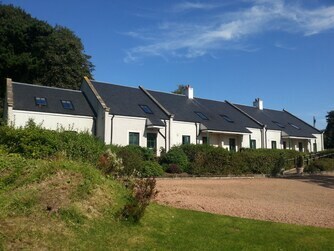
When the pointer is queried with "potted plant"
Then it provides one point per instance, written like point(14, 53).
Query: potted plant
point(300, 164)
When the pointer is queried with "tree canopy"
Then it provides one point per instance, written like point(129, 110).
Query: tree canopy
point(329, 132)
point(32, 51)
point(180, 89)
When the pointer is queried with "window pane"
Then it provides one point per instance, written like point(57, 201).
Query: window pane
point(273, 145)
point(253, 144)
point(152, 140)
point(227, 118)
point(202, 116)
point(67, 104)
point(232, 145)
point(146, 109)
point(134, 138)
point(40, 101)
point(185, 139)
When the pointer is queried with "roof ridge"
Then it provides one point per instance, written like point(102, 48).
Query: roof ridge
point(176, 94)
point(44, 86)
point(108, 83)
point(301, 120)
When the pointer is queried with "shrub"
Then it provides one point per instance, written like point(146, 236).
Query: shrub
point(300, 161)
point(176, 156)
point(173, 168)
point(319, 165)
point(132, 159)
point(109, 163)
point(151, 169)
point(279, 166)
point(141, 193)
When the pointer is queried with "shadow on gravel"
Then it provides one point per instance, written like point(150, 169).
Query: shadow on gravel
point(321, 180)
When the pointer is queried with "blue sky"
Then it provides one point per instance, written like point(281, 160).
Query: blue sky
point(280, 51)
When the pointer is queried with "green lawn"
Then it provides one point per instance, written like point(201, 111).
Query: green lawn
point(84, 205)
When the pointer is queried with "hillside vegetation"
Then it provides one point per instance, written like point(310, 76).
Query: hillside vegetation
point(59, 204)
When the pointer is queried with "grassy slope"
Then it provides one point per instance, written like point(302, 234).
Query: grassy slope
point(68, 205)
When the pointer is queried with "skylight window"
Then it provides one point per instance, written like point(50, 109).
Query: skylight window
point(146, 109)
point(67, 104)
point(227, 118)
point(40, 101)
point(202, 116)
point(279, 124)
point(294, 126)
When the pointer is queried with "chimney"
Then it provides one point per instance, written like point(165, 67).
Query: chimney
point(189, 92)
point(258, 103)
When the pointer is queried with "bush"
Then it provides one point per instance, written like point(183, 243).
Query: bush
point(176, 156)
point(109, 163)
point(319, 165)
point(279, 166)
point(151, 169)
point(173, 168)
point(132, 158)
point(141, 193)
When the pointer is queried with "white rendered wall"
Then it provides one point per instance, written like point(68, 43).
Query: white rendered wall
point(319, 140)
point(180, 128)
point(122, 126)
point(273, 135)
point(255, 135)
point(54, 121)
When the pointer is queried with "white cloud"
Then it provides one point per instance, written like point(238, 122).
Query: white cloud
point(229, 30)
point(187, 6)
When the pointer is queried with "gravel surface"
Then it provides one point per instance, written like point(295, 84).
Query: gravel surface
point(306, 200)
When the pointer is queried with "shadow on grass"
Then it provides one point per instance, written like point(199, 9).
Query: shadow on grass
point(321, 180)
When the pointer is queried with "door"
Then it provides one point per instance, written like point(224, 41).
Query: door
point(232, 145)
point(152, 141)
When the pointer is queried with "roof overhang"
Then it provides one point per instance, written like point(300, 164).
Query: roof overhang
point(225, 132)
point(151, 125)
point(296, 137)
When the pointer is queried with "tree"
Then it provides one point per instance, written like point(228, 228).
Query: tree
point(180, 89)
point(329, 132)
point(33, 51)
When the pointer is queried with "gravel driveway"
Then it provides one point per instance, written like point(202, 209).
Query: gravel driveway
point(306, 200)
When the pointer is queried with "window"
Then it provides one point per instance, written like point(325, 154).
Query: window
point(284, 145)
point(227, 118)
point(205, 140)
point(134, 138)
point(300, 146)
point(151, 140)
point(185, 139)
point(40, 101)
point(201, 115)
point(253, 144)
point(278, 124)
point(294, 126)
point(273, 144)
point(146, 109)
point(67, 104)
point(232, 145)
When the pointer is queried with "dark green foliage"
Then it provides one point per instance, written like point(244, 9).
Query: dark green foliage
point(319, 165)
point(141, 193)
point(176, 156)
point(300, 161)
point(180, 89)
point(173, 168)
point(132, 158)
point(151, 169)
point(32, 51)
point(279, 166)
point(329, 132)
point(35, 142)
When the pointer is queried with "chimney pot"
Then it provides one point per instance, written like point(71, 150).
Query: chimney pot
point(258, 103)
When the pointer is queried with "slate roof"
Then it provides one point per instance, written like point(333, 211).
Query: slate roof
point(24, 99)
point(124, 100)
point(282, 121)
point(184, 110)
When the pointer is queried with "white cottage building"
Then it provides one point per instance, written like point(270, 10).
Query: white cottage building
point(125, 115)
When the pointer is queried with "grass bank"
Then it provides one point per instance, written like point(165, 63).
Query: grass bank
point(65, 205)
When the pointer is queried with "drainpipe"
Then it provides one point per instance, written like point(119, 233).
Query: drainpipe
point(111, 129)
point(264, 136)
point(171, 118)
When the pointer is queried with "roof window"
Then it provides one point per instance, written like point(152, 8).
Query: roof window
point(146, 109)
point(227, 118)
point(278, 124)
point(294, 126)
point(67, 104)
point(202, 116)
point(40, 101)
